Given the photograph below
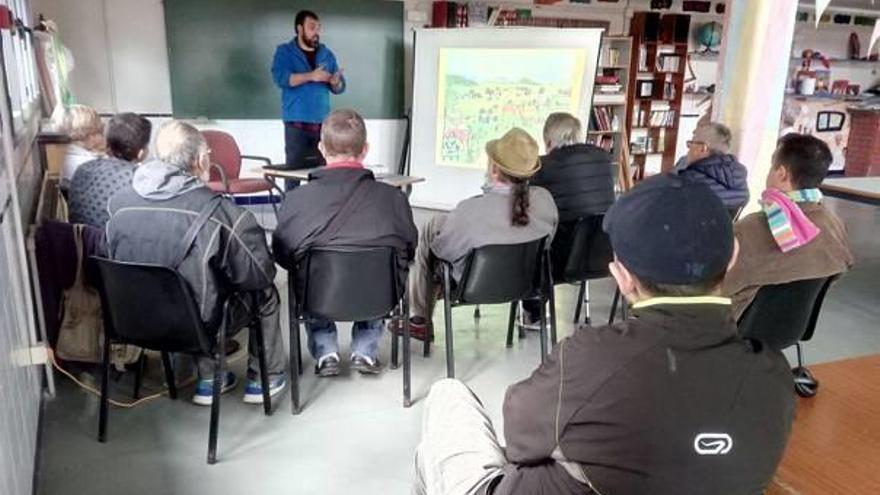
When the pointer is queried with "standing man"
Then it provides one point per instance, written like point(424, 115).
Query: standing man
point(306, 71)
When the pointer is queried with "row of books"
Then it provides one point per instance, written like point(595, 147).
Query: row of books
point(647, 144)
point(449, 14)
point(668, 63)
point(609, 57)
point(609, 88)
point(603, 119)
point(604, 141)
point(654, 118)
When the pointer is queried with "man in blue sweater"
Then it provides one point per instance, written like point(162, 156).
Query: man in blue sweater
point(307, 72)
point(709, 162)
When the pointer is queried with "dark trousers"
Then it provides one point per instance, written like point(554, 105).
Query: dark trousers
point(301, 150)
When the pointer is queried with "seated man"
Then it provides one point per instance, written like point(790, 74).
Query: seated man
point(94, 182)
point(709, 162)
point(800, 164)
point(229, 258)
point(83, 125)
point(579, 176)
point(343, 205)
point(508, 212)
point(669, 401)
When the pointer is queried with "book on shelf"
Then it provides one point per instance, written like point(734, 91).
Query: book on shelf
point(603, 119)
point(646, 144)
point(668, 62)
point(609, 88)
point(608, 79)
point(603, 141)
point(669, 92)
point(609, 57)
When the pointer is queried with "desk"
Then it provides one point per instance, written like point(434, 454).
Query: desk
point(835, 440)
point(395, 180)
point(858, 189)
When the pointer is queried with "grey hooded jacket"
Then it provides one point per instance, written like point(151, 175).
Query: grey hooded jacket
point(149, 219)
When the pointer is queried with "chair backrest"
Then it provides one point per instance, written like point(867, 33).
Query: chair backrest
point(581, 251)
point(500, 273)
point(349, 283)
point(224, 152)
point(150, 306)
point(781, 315)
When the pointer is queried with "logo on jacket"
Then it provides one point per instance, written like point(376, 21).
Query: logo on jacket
point(713, 443)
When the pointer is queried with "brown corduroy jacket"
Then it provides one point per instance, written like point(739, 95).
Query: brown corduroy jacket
point(761, 262)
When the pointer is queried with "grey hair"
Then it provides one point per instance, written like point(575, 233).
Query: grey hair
point(716, 137)
point(562, 129)
point(180, 144)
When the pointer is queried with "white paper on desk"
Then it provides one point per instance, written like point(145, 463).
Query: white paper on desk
point(821, 5)
point(874, 36)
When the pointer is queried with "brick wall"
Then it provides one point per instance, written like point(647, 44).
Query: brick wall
point(863, 146)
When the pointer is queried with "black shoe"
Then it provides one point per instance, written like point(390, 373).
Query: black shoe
point(329, 366)
point(365, 366)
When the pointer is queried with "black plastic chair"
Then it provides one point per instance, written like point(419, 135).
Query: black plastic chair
point(151, 306)
point(581, 256)
point(495, 274)
point(348, 284)
point(784, 315)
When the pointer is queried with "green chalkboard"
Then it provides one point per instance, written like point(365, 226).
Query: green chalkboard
point(220, 54)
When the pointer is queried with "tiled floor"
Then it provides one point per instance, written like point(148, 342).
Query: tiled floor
point(354, 435)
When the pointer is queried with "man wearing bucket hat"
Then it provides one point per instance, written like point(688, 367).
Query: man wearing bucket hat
point(508, 212)
point(669, 401)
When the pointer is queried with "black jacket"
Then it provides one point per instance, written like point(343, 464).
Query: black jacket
point(581, 179)
point(727, 178)
point(671, 401)
point(229, 255)
point(383, 218)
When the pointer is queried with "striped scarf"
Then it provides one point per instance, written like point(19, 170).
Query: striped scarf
point(789, 225)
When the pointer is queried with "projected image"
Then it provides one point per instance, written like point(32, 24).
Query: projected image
point(484, 92)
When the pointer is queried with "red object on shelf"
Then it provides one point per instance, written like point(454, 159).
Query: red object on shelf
point(6, 18)
point(439, 13)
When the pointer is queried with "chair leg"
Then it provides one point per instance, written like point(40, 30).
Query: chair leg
point(552, 303)
point(586, 301)
point(477, 312)
point(139, 374)
point(395, 320)
point(105, 391)
point(800, 357)
point(295, 355)
point(511, 323)
point(543, 330)
point(219, 381)
point(407, 358)
point(447, 311)
point(257, 327)
point(580, 302)
point(614, 303)
point(169, 375)
point(624, 309)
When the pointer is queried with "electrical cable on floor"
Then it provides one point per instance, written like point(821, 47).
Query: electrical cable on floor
point(126, 405)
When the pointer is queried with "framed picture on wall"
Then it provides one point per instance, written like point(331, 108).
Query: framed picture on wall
point(645, 89)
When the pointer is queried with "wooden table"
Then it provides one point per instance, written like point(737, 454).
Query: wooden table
point(835, 441)
point(859, 189)
point(395, 180)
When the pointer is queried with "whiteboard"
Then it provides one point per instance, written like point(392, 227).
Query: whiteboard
point(450, 180)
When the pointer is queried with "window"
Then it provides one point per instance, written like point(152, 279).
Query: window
point(830, 121)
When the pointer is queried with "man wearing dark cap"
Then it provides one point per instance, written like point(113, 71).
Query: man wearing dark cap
point(670, 401)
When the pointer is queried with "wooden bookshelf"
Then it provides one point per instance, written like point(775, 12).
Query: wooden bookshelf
point(658, 61)
point(609, 111)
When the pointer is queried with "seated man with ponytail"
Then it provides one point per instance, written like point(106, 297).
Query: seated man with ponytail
point(508, 212)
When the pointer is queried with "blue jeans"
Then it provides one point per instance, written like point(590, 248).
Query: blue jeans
point(365, 337)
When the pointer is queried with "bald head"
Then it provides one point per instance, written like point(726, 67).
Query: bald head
point(181, 145)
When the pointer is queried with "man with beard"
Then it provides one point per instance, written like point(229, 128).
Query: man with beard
point(307, 72)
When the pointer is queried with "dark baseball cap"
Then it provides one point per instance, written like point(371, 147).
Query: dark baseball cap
point(670, 230)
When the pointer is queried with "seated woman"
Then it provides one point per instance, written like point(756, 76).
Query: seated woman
point(86, 132)
point(579, 176)
point(128, 136)
point(508, 212)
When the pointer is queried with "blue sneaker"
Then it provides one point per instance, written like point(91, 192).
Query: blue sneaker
point(205, 389)
point(253, 392)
